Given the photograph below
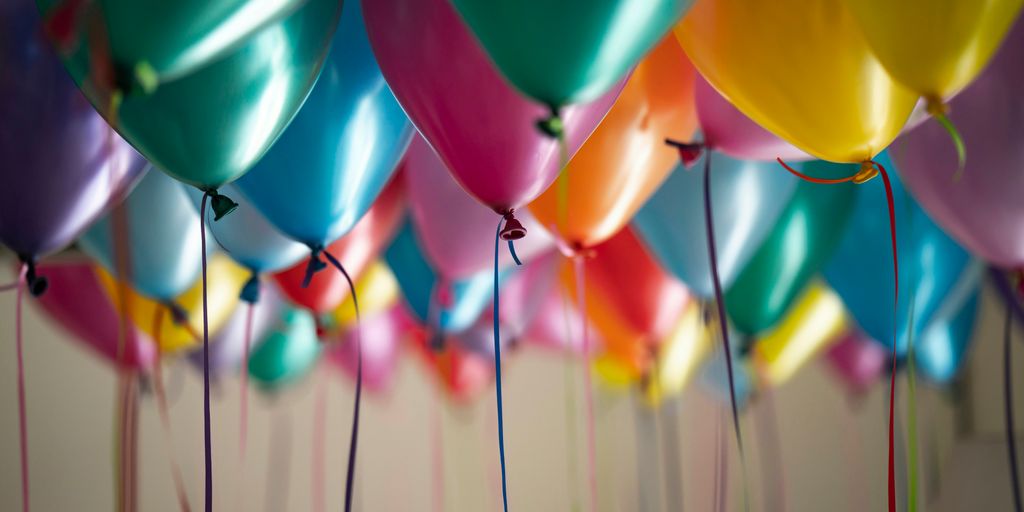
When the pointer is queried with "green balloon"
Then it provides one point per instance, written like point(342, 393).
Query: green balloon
point(208, 127)
point(568, 51)
point(802, 241)
point(288, 353)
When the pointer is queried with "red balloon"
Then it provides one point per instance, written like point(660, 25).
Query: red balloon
point(355, 251)
point(462, 375)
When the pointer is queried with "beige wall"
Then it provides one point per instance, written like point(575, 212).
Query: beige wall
point(833, 451)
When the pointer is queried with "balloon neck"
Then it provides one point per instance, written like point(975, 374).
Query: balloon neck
point(315, 264)
point(36, 284)
point(936, 107)
point(178, 314)
point(220, 204)
point(689, 153)
point(552, 126)
point(868, 170)
point(251, 291)
point(141, 78)
point(513, 229)
point(436, 341)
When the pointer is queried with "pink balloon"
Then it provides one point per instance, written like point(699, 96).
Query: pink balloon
point(381, 336)
point(858, 361)
point(77, 300)
point(452, 227)
point(984, 209)
point(730, 131)
point(480, 126)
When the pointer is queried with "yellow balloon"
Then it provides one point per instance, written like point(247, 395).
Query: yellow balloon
point(225, 281)
point(613, 373)
point(800, 68)
point(934, 47)
point(377, 290)
point(816, 320)
point(679, 356)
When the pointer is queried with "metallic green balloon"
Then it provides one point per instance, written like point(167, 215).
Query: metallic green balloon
point(210, 126)
point(568, 51)
point(288, 353)
point(802, 241)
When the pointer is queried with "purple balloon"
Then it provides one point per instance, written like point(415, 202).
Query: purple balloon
point(858, 361)
point(62, 164)
point(381, 336)
point(227, 346)
point(984, 209)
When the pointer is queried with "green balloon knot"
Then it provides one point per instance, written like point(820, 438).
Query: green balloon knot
point(221, 204)
point(146, 77)
point(552, 126)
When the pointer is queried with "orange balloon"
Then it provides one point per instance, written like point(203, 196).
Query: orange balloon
point(626, 159)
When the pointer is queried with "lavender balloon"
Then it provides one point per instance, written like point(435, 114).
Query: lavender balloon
point(227, 346)
point(62, 165)
point(983, 210)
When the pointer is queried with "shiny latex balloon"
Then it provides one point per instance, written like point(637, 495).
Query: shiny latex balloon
point(377, 290)
point(803, 71)
point(857, 361)
point(730, 131)
point(381, 335)
point(983, 209)
point(63, 165)
point(935, 48)
point(462, 375)
point(614, 374)
point(567, 51)
point(556, 319)
point(355, 251)
point(816, 320)
point(78, 303)
point(480, 127)
point(151, 40)
point(631, 300)
point(747, 198)
point(329, 165)
point(861, 269)
point(162, 248)
point(225, 278)
point(802, 241)
point(942, 348)
point(453, 227)
point(449, 306)
point(626, 159)
point(288, 353)
point(209, 126)
point(248, 237)
point(679, 356)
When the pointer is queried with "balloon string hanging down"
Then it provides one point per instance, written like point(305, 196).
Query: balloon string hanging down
point(588, 390)
point(869, 170)
point(940, 111)
point(1011, 435)
point(165, 417)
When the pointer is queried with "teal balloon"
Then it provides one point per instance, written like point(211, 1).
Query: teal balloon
point(419, 281)
point(802, 241)
point(288, 353)
point(329, 166)
point(747, 199)
point(861, 270)
point(942, 347)
point(209, 126)
point(568, 51)
point(162, 238)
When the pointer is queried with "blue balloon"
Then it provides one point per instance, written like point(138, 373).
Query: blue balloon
point(747, 198)
point(861, 270)
point(330, 164)
point(417, 280)
point(940, 350)
point(248, 237)
point(164, 247)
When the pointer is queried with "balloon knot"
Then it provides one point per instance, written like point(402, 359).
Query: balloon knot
point(251, 291)
point(221, 204)
point(314, 265)
point(36, 283)
point(178, 314)
point(1018, 281)
point(552, 126)
point(936, 107)
point(940, 112)
point(513, 229)
point(689, 153)
point(868, 170)
point(436, 343)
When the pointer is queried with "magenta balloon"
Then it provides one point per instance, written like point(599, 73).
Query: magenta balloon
point(730, 131)
point(453, 229)
point(480, 126)
point(985, 208)
point(381, 336)
point(858, 361)
point(77, 301)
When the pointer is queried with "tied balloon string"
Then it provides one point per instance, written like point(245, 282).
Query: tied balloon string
point(570, 408)
point(869, 170)
point(1011, 432)
point(772, 443)
point(19, 348)
point(243, 420)
point(165, 416)
point(437, 449)
point(208, 452)
point(588, 391)
point(319, 442)
point(940, 112)
point(354, 440)
point(133, 441)
point(912, 457)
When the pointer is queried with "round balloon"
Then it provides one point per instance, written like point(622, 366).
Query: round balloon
point(857, 361)
point(380, 335)
point(289, 353)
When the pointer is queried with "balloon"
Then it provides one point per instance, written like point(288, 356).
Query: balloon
point(802, 241)
point(816, 320)
point(381, 335)
point(747, 198)
point(631, 300)
point(462, 375)
point(377, 290)
point(861, 270)
point(209, 126)
point(249, 238)
point(626, 158)
point(730, 131)
point(334, 159)
point(858, 361)
point(78, 303)
point(163, 253)
point(942, 347)
point(423, 288)
point(453, 227)
point(555, 323)
point(802, 71)
point(224, 281)
point(934, 48)
point(63, 165)
point(561, 51)
point(480, 127)
point(288, 353)
point(679, 356)
point(983, 209)
point(355, 251)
